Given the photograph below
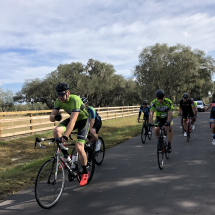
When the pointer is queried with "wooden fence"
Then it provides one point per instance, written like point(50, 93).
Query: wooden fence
point(29, 122)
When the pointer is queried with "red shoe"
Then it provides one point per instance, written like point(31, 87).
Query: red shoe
point(84, 179)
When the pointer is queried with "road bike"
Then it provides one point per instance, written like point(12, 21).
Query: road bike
point(50, 180)
point(162, 145)
point(145, 131)
point(98, 155)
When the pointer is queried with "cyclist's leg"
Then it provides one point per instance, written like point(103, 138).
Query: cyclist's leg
point(59, 130)
point(156, 129)
point(95, 130)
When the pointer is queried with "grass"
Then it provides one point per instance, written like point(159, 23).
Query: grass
point(20, 162)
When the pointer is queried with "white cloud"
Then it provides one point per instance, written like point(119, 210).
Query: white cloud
point(54, 33)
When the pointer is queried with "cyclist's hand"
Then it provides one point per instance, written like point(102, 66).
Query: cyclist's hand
point(138, 119)
point(167, 123)
point(63, 139)
point(58, 117)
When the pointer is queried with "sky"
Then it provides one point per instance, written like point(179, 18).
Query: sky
point(37, 36)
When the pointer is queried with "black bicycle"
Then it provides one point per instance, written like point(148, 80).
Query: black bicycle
point(98, 155)
point(162, 145)
point(50, 179)
point(145, 131)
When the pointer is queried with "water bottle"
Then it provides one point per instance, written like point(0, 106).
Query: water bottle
point(74, 158)
point(69, 160)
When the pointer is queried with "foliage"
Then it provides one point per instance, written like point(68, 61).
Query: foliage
point(176, 70)
point(97, 81)
point(6, 100)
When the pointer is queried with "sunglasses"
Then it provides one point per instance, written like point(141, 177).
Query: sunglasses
point(60, 94)
point(185, 97)
point(160, 98)
point(145, 104)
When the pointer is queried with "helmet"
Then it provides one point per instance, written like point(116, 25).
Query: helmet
point(84, 100)
point(61, 87)
point(145, 102)
point(160, 93)
point(185, 96)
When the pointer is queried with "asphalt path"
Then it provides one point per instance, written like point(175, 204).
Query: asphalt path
point(130, 182)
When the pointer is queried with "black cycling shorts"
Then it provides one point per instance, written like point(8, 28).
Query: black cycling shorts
point(185, 114)
point(162, 120)
point(82, 126)
point(97, 125)
point(146, 116)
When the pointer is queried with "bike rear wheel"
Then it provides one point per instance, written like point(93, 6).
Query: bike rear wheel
point(160, 153)
point(49, 184)
point(90, 164)
point(99, 155)
point(143, 134)
point(150, 135)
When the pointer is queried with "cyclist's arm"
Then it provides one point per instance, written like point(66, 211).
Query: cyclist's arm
point(169, 116)
point(151, 114)
point(71, 125)
point(180, 110)
point(52, 115)
point(194, 111)
point(208, 107)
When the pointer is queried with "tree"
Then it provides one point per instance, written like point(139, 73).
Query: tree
point(175, 69)
point(6, 99)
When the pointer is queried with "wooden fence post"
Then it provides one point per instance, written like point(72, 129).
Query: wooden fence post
point(0, 131)
point(107, 112)
point(31, 121)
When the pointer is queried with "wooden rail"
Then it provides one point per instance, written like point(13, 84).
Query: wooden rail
point(29, 122)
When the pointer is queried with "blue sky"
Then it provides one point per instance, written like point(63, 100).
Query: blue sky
point(37, 36)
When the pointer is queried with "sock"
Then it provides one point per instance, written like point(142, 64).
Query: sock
point(213, 135)
point(84, 169)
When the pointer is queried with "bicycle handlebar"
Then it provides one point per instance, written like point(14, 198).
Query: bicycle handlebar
point(57, 140)
point(160, 125)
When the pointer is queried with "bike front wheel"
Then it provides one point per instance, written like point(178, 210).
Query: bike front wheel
point(99, 155)
point(166, 151)
point(188, 132)
point(49, 184)
point(160, 153)
point(143, 134)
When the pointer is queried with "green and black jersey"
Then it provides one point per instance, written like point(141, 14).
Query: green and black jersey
point(162, 109)
point(74, 104)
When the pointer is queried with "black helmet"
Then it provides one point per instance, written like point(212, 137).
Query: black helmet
point(160, 93)
point(61, 87)
point(84, 100)
point(145, 102)
point(185, 96)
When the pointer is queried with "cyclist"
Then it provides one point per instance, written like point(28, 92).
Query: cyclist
point(79, 119)
point(163, 108)
point(95, 123)
point(187, 107)
point(212, 120)
point(145, 109)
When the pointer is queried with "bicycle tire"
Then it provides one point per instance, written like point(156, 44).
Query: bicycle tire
point(166, 150)
point(149, 135)
point(90, 164)
point(143, 135)
point(188, 132)
point(47, 190)
point(99, 155)
point(160, 153)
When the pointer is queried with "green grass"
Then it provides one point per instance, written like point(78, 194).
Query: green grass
point(20, 162)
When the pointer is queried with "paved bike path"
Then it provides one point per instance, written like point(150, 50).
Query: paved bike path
point(130, 182)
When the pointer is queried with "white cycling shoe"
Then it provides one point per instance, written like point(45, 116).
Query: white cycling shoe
point(213, 142)
point(185, 134)
point(98, 146)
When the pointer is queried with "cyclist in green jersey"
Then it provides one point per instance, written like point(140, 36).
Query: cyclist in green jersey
point(163, 108)
point(79, 119)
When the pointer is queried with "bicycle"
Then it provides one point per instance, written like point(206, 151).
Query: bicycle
point(162, 145)
point(144, 131)
point(98, 155)
point(188, 127)
point(50, 180)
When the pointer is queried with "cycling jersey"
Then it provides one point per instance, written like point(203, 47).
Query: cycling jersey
point(162, 109)
point(195, 104)
point(74, 104)
point(186, 105)
point(212, 114)
point(144, 110)
point(93, 114)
